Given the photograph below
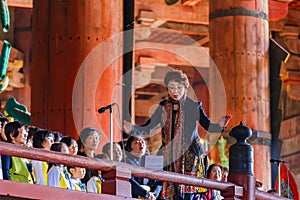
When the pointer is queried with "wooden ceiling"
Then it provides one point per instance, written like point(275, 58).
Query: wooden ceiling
point(183, 24)
point(294, 5)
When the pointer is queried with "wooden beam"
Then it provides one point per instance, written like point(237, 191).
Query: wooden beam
point(290, 146)
point(277, 10)
point(172, 54)
point(144, 107)
point(150, 93)
point(291, 40)
point(277, 26)
point(204, 40)
point(20, 3)
point(186, 28)
point(293, 17)
point(197, 14)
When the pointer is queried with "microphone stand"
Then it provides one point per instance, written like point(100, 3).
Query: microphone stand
point(111, 133)
point(279, 181)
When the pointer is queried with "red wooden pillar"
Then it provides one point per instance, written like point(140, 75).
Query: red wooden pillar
point(75, 63)
point(239, 42)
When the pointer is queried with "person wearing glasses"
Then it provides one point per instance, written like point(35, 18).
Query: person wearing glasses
point(179, 116)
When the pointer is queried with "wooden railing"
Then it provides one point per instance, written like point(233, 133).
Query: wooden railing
point(116, 186)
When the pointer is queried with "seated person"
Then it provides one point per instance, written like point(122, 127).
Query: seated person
point(71, 144)
point(136, 150)
point(77, 173)
point(95, 183)
point(225, 172)
point(214, 172)
point(42, 139)
point(57, 173)
point(15, 168)
point(117, 151)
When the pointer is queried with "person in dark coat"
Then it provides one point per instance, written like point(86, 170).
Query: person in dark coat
point(179, 116)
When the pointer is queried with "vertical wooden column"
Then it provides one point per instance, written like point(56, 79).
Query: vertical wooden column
point(239, 42)
point(74, 68)
point(22, 41)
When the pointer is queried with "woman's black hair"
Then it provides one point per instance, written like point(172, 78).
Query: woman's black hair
point(210, 169)
point(57, 146)
point(177, 76)
point(32, 130)
point(40, 136)
point(12, 128)
point(68, 140)
point(128, 147)
point(3, 119)
point(57, 136)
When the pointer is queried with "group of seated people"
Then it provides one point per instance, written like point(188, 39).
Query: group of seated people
point(132, 152)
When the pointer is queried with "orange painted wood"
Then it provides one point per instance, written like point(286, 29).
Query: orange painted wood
point(69, 59)
point(22, 41)
point(173, 54)
point(241, 55)
point(20, 3)
point(40, 64)
point(176, 12)
point(277, 10)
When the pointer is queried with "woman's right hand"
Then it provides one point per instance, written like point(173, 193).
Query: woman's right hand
point(127, 126)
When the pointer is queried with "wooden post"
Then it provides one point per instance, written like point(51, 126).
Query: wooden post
point(239, 45)
point(116, 181)
point(71, 68)
point(241, 161)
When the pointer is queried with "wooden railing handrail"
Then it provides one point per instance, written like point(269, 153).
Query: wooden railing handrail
point(106, 165)
point(260, 195)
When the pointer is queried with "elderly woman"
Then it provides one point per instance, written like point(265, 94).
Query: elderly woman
point(179, 116)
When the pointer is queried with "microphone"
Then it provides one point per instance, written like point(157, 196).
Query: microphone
point(277, 161)
point(103, 109)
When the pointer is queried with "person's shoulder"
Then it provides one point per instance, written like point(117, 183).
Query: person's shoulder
point(129, 160)
point(5, 156)
point(54, 170)
point(188, 100)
